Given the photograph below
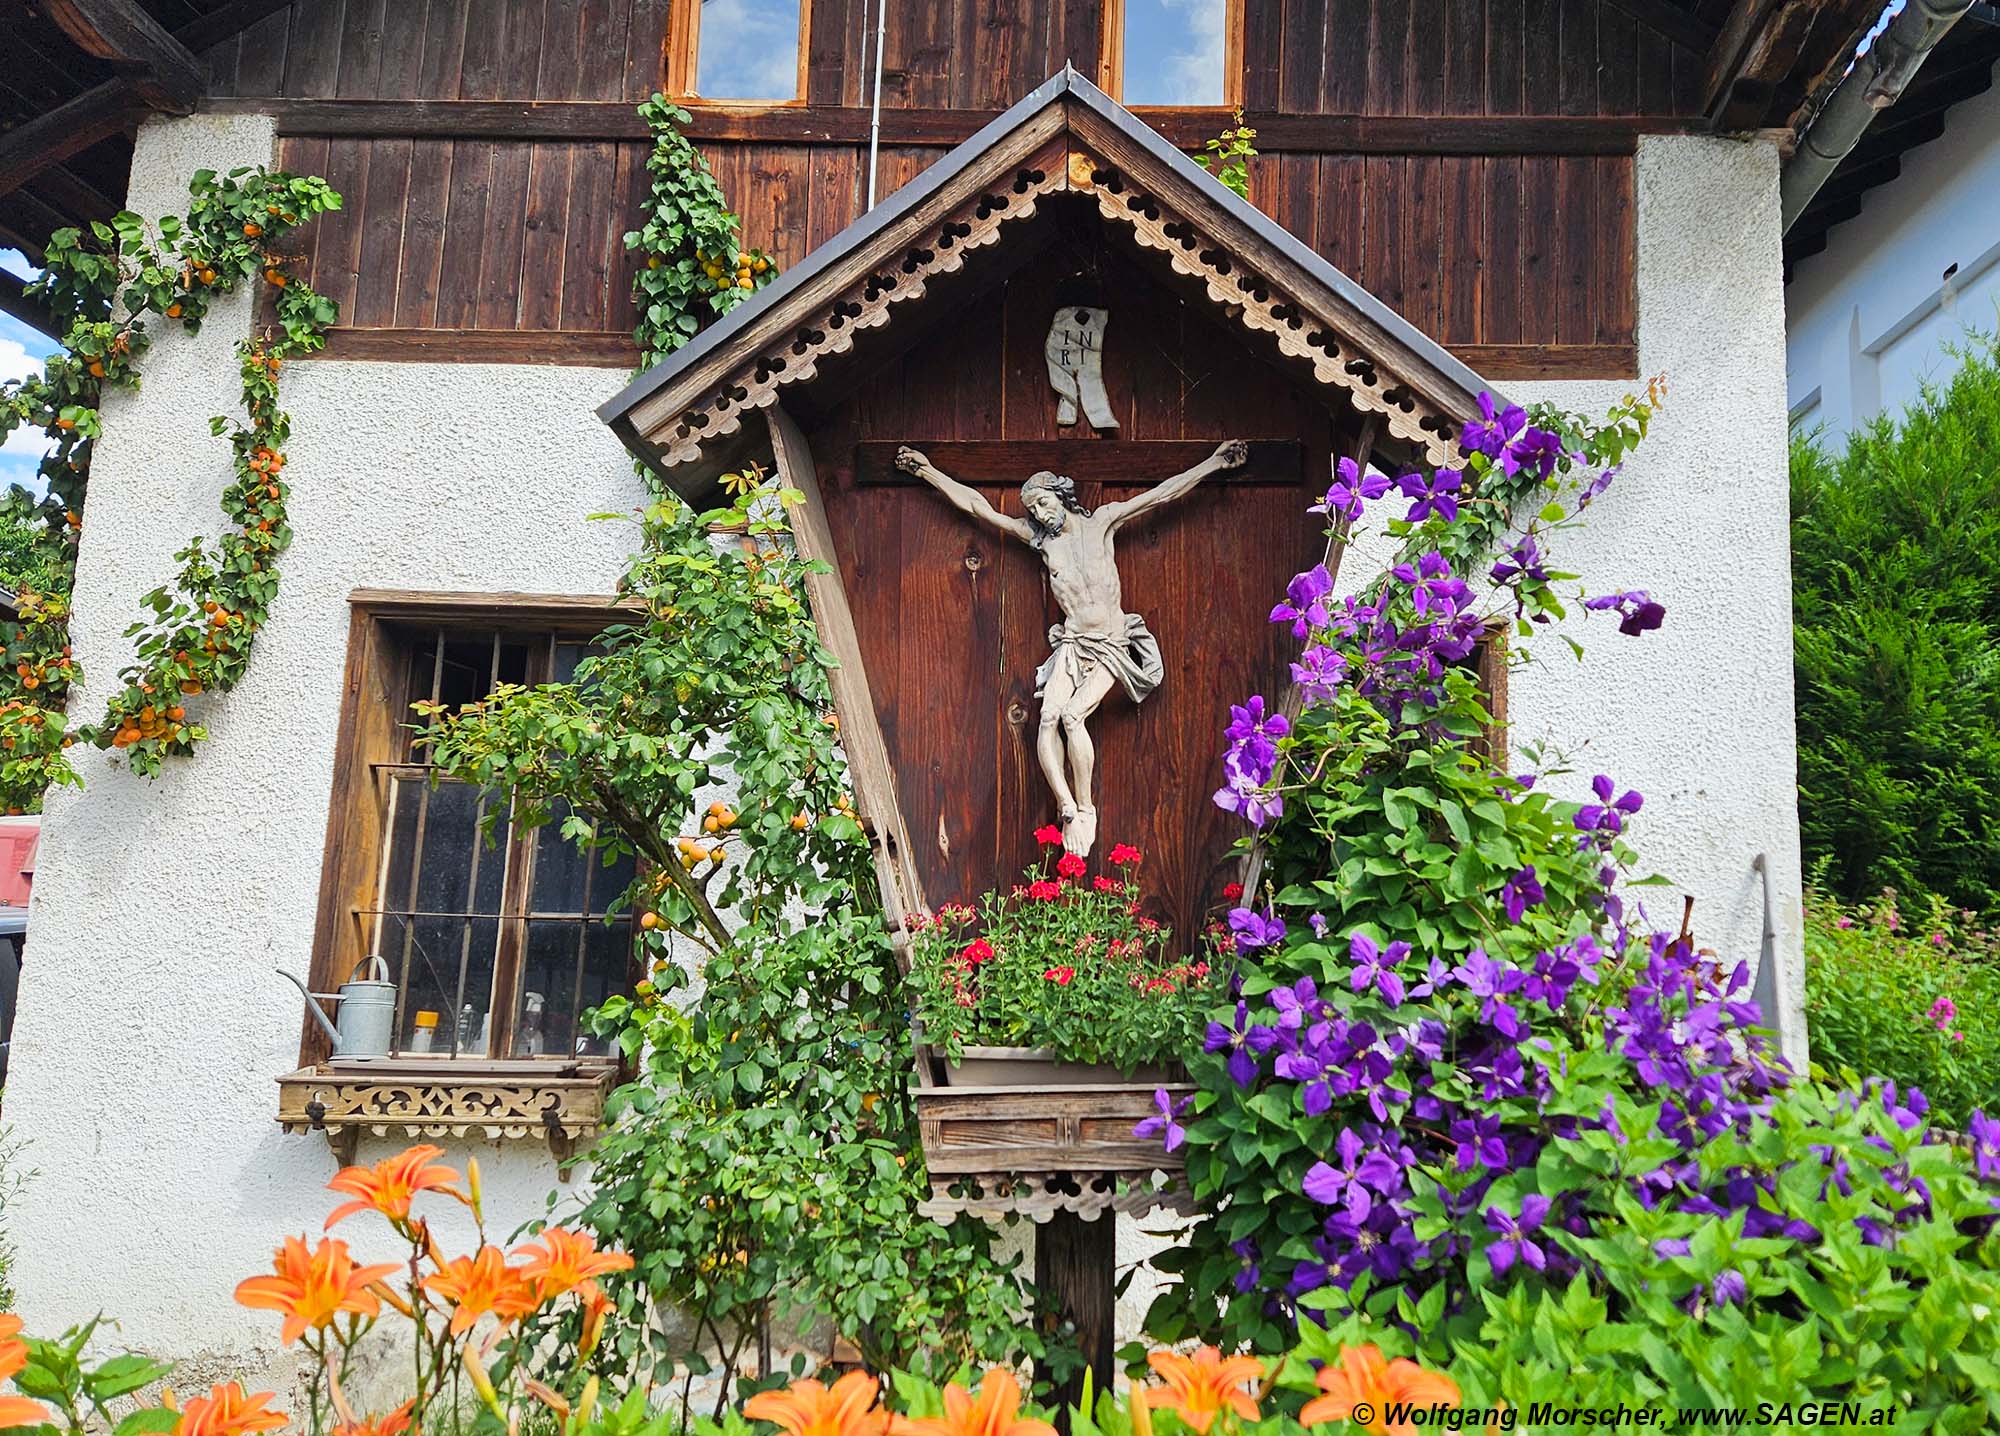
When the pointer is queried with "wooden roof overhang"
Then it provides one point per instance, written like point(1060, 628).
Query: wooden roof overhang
point(686, 415)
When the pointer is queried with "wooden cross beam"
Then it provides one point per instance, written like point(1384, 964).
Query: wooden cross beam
point(49, 139)
point(161, 69)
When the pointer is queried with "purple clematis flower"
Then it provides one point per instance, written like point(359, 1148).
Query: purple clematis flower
point(1637, 611)
point(1524, 559)
point(1536, 451)
point(1729, 1289)
point(1437, 495)
point(1254, 929)
point(1486, 978)
point(1234, 1040)
point(1305, 601)
point(1164, 1124)
point(1479, 1143)
point(1318, 672)
point(1608, 814)
point(1516, 1242)
point(1985, 1134)
point(1357, 1166)
point(1596, 488)
point(1351, 488)
point(1376, 967)
point(1523, 891)
point(1492, 432)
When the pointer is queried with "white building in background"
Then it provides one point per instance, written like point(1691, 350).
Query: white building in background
point(1876, 303)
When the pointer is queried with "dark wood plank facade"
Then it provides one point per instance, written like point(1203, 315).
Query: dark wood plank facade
point(1469, 161)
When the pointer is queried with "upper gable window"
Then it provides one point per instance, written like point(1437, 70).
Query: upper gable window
point(739, 51)
point(1174, 53)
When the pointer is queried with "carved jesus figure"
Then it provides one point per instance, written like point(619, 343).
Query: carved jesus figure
point(1098, 644)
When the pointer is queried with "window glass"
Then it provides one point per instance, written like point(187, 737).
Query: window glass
point(488, 937)
point(1175, 52)
point(747, 50)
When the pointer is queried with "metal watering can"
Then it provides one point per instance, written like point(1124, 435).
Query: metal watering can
point(367, 1009)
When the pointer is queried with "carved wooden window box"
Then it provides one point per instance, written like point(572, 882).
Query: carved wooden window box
point(560, 1102)
point(1040, 1150)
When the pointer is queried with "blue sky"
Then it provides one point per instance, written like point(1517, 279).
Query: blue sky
point(21, 353)
point(1174, 52)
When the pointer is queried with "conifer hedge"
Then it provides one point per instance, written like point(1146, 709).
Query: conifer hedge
point(1896, 593)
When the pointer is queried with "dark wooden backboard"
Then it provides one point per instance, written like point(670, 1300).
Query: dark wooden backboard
point(953, 617)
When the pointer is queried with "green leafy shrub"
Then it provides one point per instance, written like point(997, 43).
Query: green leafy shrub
point(764, 1164)
point(1915, 994)
point(1896, 595)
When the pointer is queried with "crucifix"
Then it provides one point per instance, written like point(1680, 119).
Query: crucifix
point(1098, 644)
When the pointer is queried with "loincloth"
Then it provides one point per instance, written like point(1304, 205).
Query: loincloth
point(1133, 657)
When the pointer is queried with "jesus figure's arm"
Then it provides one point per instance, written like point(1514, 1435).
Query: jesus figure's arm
point(963, 497)
point(1229, 455)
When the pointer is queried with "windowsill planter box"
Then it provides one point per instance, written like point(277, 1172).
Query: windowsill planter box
point(560, 1101)
point(1038, 1067)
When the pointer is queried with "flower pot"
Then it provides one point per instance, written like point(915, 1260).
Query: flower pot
point(1037, 1067)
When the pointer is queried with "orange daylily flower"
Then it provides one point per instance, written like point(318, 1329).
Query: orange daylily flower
point(561, 1260)
point(389, 1185)
point(17, 1410)
point(476, 1285)
point(226, 1411)
point(311, 1288)
point(393, 1423)
point(1361, 1375)
point(1199, 1387)
point(808, 1408)
point(996, 1411)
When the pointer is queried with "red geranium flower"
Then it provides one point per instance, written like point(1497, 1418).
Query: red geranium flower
point(1044, 890)
point(1108, 885)
point(975, 952)
point(1060, 976)
point(1232, 891)
point(1124, 855)
point(1048, 835)
point(1070, 865)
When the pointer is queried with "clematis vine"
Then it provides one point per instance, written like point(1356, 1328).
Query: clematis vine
point(1351, 489)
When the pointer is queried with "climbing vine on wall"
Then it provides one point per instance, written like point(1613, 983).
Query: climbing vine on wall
point(695, 267)
point(106, 285)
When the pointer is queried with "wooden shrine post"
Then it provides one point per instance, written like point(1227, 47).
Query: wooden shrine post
point(1076, 1263)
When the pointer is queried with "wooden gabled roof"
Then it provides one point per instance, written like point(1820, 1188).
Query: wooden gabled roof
point(1067, 137)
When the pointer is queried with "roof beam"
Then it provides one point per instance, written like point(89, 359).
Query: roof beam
point(219, 25)
point(28, 308)
point(49, 139)
point(160, 67)
point(1754, 52)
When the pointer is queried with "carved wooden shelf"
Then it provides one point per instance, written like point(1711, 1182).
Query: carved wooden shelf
point(562, 1104)
point(1035, 1151)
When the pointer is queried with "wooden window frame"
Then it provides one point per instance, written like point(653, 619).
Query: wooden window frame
point(682, 61)
point(1111, 60)
point(374, 708)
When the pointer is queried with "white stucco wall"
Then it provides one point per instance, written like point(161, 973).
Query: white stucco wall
point(151, 1025)
point(1874, 316)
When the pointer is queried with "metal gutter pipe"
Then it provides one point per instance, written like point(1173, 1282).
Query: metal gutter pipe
point(1876, 81)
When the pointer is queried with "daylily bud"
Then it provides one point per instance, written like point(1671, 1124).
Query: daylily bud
point(587, 1402)
point(1138, 1410)
point(481, 1382)
point(547, 1396)
point(387, 1293)
point(595, 1305)
point(473, 1186)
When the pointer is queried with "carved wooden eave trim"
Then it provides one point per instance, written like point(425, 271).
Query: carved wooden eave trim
point(1067, 137)
point(560, 1109)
